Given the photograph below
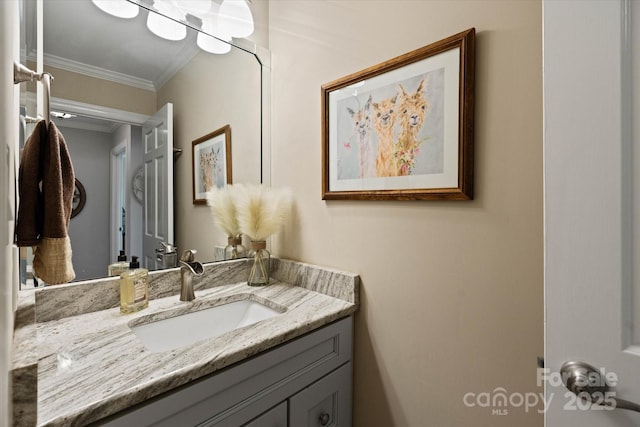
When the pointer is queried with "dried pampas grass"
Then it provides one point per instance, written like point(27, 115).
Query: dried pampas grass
point(261, 210)
point(224, 209)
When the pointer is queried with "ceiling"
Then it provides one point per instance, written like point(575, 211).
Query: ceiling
point(81, 38)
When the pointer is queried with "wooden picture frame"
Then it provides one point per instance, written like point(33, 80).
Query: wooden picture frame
point(211, 163)
point(403, 129)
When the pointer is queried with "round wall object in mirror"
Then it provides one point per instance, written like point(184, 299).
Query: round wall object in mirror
point(79, 198)
point(137, 184)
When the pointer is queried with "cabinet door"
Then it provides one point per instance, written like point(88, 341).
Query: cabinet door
point(327, 402)
point(274, 417)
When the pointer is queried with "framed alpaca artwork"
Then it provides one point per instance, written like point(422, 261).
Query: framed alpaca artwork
point(403, 129)
point(211, 167)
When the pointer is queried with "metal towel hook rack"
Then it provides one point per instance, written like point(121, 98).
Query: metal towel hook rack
point(24, 74)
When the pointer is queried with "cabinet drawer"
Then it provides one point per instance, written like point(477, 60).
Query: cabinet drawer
point(274, 417)
point(325, 403)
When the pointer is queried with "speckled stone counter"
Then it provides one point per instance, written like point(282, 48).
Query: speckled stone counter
point(89, 364)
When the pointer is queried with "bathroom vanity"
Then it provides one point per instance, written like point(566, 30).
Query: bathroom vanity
point(307, 380)
point(292, 368)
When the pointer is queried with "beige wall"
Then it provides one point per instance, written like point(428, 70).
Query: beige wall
point(452, 292)
point(208, 93)
point(81, 88)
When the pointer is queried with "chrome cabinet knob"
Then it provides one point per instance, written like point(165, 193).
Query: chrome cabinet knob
point(324, 419)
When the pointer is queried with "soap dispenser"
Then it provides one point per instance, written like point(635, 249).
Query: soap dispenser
point(134, 288)
point(117, 268)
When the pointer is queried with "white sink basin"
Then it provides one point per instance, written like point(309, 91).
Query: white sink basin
point(185, 329)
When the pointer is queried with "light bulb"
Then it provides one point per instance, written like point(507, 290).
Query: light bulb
point(235, 18)
point(212, 44)
point(164, 27)
point(119, 8)
point(195, 7)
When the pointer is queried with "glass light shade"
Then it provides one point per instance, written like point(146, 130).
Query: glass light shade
point(164, 27)
point(213, 44)
point(195, 7)
point(235, 18)
point(119, 8)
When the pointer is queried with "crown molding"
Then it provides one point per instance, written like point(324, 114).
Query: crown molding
point(114, 116)
point(98, 112)
point(97, 72)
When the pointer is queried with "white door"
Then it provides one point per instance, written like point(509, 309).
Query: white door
point(117, 201)
point(157, 142)
point(592, 294)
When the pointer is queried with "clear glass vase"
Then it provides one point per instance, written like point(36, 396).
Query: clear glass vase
point(261, 265)
point(234, 249)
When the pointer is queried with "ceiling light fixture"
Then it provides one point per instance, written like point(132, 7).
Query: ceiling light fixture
point(235, 18)
point(220, 22)
point(211, 39)
point(61, 115)
point(165, 27)
point(119, 8)
point(212, 44)
point(195, 7)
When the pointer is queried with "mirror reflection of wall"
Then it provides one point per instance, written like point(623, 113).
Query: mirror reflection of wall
point(90, 151)
point(207, 91)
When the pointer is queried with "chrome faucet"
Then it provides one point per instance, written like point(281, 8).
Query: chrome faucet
point(189, 267)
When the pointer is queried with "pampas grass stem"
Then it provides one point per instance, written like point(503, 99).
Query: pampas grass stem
point(223, 205)
point(262, 210)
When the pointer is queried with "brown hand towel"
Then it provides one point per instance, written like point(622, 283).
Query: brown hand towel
point(46, 183)
point(31, 207)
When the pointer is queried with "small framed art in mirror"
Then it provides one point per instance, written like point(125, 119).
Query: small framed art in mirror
point(211, 166)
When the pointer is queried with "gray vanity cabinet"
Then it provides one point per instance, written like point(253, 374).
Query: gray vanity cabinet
point(327, 402)
point(304, 382)
point(323, 403)
point(274, 417)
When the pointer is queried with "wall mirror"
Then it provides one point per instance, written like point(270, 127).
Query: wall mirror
point(112, 77)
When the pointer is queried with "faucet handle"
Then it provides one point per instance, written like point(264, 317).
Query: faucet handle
point(166, 248)
point(189, 255)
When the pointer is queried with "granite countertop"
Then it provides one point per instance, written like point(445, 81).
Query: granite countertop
point(90, 364)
